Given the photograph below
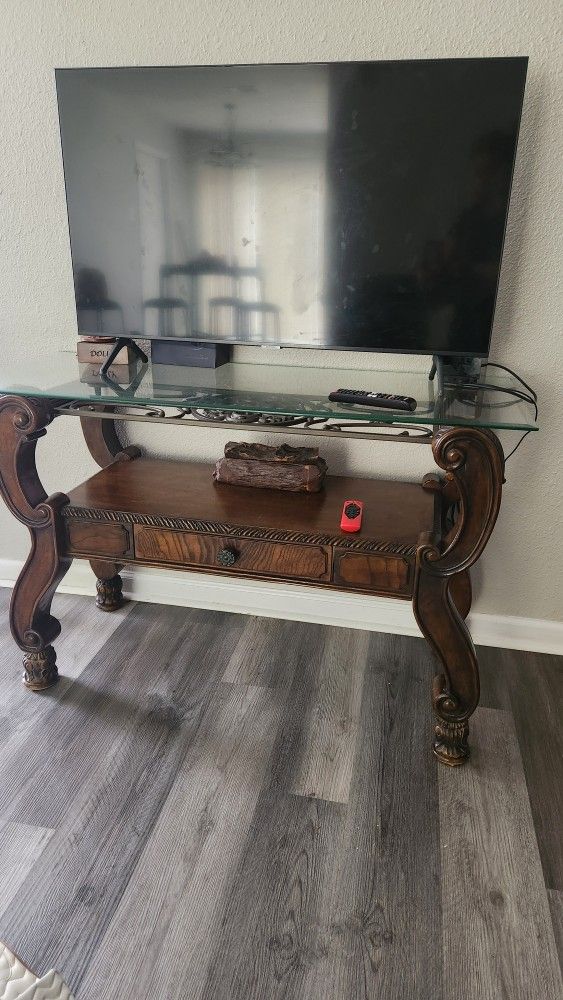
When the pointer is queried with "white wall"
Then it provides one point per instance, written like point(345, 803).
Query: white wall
point(522, 570)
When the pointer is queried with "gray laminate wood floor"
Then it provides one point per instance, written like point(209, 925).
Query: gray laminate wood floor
point(214, 807)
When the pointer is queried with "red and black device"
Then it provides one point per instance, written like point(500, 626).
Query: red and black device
point(351, 519)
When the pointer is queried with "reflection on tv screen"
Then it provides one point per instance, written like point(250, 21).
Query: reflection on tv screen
point(352, 205)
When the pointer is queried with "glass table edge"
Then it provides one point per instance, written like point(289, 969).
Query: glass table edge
point(307, 404)
point(339, 416)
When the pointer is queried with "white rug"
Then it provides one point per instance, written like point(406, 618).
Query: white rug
point(19, 983)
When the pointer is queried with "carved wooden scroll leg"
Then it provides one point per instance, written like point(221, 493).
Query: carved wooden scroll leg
point(445, 487)
point(22, 422)
point(101, 438)
point(105, 448)
point(474, 463)
point(461, 592)
point(455, 693)
point(108, 585)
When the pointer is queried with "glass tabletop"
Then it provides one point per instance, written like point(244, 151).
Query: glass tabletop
point(291, 390)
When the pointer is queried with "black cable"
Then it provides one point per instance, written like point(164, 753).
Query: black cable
point(476, 386)
point(510, 453)
point(495, 364)
point(532, 399)
point(489, 386)
point(530, 396)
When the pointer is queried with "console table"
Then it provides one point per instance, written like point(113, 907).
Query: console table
point(417, 542)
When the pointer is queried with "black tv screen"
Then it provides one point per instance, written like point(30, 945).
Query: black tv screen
point(357, 206)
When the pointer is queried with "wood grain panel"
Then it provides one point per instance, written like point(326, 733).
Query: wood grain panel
point(308, 562)
point(381, 908)
point(92, 538)
point(372, 572)
point(498, 935)
point(270, 650)
point(332, 721)
point(556, 906)
point(374, 927)
point(103, 770)
point(176, 900)
point(529, 686)
point(272, 935)
point(20, 847)
point(536, 700)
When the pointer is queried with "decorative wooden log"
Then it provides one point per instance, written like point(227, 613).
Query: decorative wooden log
point(302, 478)
point(298, 470)
point(263, 453)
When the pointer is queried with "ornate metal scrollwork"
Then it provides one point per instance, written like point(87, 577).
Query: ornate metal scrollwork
point(275, 423)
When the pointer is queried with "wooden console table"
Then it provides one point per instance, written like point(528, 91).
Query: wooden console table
point(418, 540)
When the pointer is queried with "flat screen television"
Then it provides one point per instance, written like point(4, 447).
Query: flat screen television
point(352, 206)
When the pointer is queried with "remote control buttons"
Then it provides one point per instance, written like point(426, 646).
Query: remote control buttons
point(352, 510)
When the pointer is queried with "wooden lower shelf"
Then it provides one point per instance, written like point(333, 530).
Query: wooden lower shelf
point(173, 514)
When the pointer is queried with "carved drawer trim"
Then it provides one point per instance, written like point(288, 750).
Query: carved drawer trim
point(238, 531)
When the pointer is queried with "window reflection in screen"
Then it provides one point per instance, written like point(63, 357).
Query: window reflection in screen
point(355, 205)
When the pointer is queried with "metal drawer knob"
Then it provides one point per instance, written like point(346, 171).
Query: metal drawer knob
point(227, 557)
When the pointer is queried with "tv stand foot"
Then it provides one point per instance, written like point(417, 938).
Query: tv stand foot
point(40, 669)
point(450, 742)
point(119, 344)
point(109, 585)
point(109, 596)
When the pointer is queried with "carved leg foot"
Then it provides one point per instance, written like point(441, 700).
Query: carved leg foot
point(455, 693)
point(109, 596)
point(108, 584)
point(40, 669)
point(450, 742)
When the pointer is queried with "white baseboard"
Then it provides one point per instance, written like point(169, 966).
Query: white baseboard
point(310, 604)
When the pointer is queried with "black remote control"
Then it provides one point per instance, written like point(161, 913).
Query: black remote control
point(364, 398)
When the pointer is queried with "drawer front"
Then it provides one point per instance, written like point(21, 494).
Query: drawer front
point(371, 571)
point(239, 555)
point(98, 539)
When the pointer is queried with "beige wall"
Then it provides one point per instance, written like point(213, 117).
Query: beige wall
point(522, 570)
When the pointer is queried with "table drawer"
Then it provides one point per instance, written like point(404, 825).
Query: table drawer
point(242, 555)
point(98, 538)
point(372, 571)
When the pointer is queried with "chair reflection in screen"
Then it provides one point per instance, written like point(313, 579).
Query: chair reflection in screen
point(241, 316)
point(168, 307)
point(259, 321)
point(240, 313)
point(91, 291)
